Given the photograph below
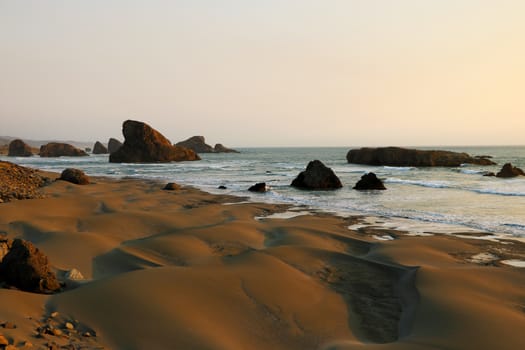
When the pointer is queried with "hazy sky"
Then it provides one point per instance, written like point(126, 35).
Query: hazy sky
point(266, 72)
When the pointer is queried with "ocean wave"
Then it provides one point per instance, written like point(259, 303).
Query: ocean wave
point(399, 168)
point(472, 172)
point(499, 192)
point(430, 184)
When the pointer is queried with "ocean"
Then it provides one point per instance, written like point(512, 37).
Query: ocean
point(449, 200)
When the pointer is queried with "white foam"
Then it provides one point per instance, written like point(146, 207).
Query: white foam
point(514, 262)
point(284, 215)
point(383, 238)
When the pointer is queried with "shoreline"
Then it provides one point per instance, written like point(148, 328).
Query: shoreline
point(181, 268)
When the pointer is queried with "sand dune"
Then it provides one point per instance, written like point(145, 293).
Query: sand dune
point(179, 269)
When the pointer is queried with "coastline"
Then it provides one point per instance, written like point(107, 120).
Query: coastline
point(181, 268)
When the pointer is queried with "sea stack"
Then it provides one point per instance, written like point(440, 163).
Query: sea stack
point(58, 149)
point(143, 144)
point(18, 148)
point(113, 145)
point(508, 170)
point(99, 148)
point(396, 156)
point(317, 176)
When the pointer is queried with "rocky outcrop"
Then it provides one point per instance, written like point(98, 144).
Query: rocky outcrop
point(58, 149)
point(99, 148)
point(27, 268)
point(258, 187)
point(199, 145)
point(113, 145)
point(369, 182)
point(75, 176)
point(396, 156)
point(18, 182)
point(18, 148)
point(508, 170)
point(143, 144)
point(219, 148)
point(317, 176)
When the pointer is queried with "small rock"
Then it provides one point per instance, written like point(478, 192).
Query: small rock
point(172, 186)
point(222, 187)
point(54, 314)
point(75, 176)
point(56, 332)
point(86, 334)
point(258, 187)
point(28, 345)
point(74, 275)
point(369, 182)
point(69, 326)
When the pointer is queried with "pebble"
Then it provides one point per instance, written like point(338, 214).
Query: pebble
point(57, 332)
point(54, 314)
point(69, 326)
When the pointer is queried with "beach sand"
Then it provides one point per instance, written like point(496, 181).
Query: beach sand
point(182, 270)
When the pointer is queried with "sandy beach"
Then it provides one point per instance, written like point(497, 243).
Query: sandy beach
point(186, 269)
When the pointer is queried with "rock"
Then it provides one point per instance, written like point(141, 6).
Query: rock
point(56, 332)
point(197, 144)
point(74, 275)
point(18, 182)
point(489, 173)
point(172, 186)
point(27, 268)
point(3, 341)
point(113, 145)
point(258, 187)
point(54, 314)
point(18, 148)
point(99, 148)
point(143, 144)
point(75, 176)
point(396, 156)
point(219, 148)
point(317, 176)
point(369, 182)
point(57, 149)
point(510, 171)
point(69, 326)
point(221, 187)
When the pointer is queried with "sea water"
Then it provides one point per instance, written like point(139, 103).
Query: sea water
point(432, 198)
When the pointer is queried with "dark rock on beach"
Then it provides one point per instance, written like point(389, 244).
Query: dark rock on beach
point(222, 187)
point(317, 176)
point(75, 176)
point(369, 182)
point(172, 186)
point(58, 149)
point(258, 187)
point(18, 182)
point(396, 156)
point(99, 148)
point(143, 144)
point(27, 268)
point(508, 170)
point(18, 148)
point(113, 145)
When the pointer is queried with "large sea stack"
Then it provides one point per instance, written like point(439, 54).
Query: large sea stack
point(143, 144)
point(317, 176)
point(57, 149)
point(396, 156)
point(113, 145)
point(18, 148)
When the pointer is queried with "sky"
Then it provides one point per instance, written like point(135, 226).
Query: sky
point(266, 73)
